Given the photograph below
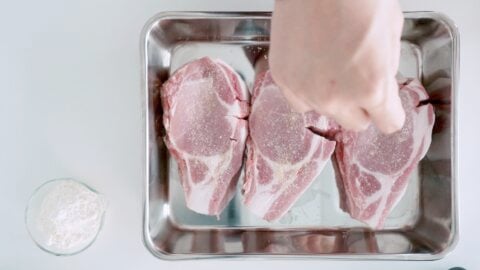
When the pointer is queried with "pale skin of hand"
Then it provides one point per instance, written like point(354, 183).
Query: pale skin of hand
point(340, 58)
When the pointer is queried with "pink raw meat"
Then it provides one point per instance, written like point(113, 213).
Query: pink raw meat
point(373, 168)
point(205, 104)
point(283, 155)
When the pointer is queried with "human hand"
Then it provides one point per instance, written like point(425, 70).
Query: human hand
point(340, 58)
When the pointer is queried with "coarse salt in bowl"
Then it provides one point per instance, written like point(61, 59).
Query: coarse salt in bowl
point(64, 216)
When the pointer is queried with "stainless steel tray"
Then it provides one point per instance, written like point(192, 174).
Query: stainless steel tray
point(423, 226)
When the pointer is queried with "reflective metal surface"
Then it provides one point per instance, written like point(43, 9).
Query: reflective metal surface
point(423, 226)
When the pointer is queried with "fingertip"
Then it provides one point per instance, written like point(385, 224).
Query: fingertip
point(354, 119)
point(401, 114)
point(392, 127)
point(357, 127)
point(390, 116)
point(394, 117)
point(295, 103)
point(397, 111)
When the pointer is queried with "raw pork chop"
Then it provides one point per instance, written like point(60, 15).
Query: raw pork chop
point(373, 168)
point(283, 155)
point(205, 106)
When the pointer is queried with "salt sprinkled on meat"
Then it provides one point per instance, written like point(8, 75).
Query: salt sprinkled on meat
point(373, 168)
point(283, 155)
point(205, 103)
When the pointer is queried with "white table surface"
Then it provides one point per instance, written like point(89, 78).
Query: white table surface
point(70, 106)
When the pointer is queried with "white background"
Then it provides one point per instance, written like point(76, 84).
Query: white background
point(70, 106)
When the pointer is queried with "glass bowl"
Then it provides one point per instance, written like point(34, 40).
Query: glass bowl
point(64, 216)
